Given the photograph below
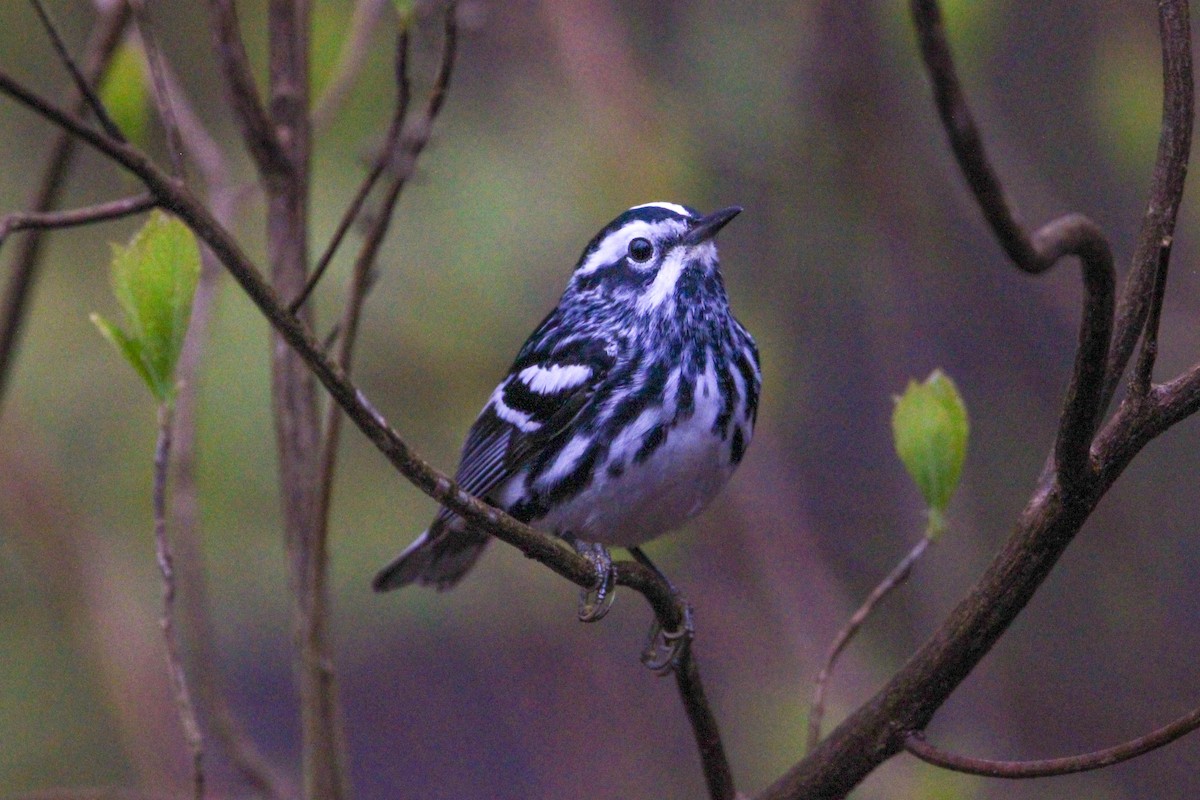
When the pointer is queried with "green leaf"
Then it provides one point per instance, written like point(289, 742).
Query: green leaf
point(930, 427)
point(124, 94)
point(154, 279)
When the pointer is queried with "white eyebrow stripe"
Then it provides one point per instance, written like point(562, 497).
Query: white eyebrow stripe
point(613, 247)
point(555, 378)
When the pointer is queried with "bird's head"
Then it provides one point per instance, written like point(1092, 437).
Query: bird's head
point(653, 256)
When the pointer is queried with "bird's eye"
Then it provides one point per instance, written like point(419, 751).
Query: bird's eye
point(640, 250)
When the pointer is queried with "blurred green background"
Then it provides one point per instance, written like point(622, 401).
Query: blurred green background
point(860, 262)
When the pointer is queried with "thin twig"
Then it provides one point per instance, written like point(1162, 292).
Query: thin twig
point(1072, 234)
point(224, 723)
point(183, 700)
point(1044, 768)
point(14, 303)
point(83, 83)
point(234, 63)
point(385, 157)
point(50, 220)
point(162, 97)
point(892, 581)
point(1143, 374)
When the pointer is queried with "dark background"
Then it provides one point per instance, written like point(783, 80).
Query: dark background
point(860, 262)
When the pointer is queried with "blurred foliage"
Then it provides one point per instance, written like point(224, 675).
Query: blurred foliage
point(860, 260)
point(124, 91)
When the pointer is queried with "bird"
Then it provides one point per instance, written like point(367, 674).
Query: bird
point(625, 412)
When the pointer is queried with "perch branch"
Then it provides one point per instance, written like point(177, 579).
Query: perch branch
point(546, 549)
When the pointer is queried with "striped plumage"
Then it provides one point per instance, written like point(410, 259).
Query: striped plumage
point(624, 413)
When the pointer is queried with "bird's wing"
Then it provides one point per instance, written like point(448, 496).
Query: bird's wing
point(547, 387)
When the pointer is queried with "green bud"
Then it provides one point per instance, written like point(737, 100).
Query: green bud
point(930, 427)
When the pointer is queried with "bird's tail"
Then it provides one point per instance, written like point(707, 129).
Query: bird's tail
point(439, 557)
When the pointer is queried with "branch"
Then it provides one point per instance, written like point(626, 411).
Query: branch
point(1166, 190)
point(1072, 234)
point(183, 699)
point(1057, 510)
point(1143, 374)
point(83, 83)
point(49, 220)
point(546, 549)
point(915, 743)
point(106, 33)
point(892, 581)
point(257, 131)
point(162, 97)
point(227, 728)
point(386, 156)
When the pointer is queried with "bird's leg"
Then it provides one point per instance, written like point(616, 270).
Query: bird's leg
point(665, 649)
point(595, 602)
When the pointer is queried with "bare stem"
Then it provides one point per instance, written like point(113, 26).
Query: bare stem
point(49, 220)
point(1043, 768)
point(892, 581)
point(162, 97)
point(183, 700)
point(1143, 374)
point(83, 83)
point(385, 157)
point(1166, 189)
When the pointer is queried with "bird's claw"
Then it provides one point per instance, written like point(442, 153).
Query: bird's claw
point(595, 602)
point(665, 650)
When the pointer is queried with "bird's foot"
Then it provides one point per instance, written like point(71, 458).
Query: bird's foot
point(666, 649)
point(595, 602)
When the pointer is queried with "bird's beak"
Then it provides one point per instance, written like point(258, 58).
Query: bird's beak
point(706, 228)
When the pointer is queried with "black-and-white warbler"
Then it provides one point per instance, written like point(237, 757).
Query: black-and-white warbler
point(624, 413)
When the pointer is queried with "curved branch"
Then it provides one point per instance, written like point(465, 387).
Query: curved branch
point(1044, 768)
point(1072, 234)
